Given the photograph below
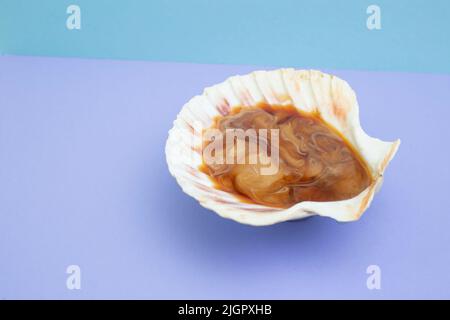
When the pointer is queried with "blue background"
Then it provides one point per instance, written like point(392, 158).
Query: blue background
point(319, 34)
point(83, 180)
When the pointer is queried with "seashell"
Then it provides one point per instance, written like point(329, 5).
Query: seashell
point(307, 90)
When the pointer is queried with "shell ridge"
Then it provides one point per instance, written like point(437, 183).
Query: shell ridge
point(306, 89)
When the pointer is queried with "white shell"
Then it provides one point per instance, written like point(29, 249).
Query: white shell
point(307, 90)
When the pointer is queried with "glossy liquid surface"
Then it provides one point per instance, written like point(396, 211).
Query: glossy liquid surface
point(315, 162)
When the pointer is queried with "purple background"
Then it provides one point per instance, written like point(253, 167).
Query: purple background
point(83, 180)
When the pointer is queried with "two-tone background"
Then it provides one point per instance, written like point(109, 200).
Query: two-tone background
point(89, 90)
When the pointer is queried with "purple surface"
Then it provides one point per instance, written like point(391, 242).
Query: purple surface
point(83, 180)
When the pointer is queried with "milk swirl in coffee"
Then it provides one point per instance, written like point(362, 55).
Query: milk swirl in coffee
point(313, 161)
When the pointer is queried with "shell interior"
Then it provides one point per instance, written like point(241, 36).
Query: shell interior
point(307, 90)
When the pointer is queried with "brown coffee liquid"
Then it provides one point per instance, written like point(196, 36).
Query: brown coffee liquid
point(316, 163)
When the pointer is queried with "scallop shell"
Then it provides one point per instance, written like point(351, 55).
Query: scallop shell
point(307, 90)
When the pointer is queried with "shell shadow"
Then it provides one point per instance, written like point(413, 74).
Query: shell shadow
point(202, 234)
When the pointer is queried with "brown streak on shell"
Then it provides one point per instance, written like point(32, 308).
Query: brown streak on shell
point(338, 111)
point(284, 98)
point(197, 149)
point(246, 97)
point(219, 200)
point(386, 159)
point(192, 171)
point(189, 126)
point(203, 187)
point(263, 209)
point(365, 201)
point(224, 107)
